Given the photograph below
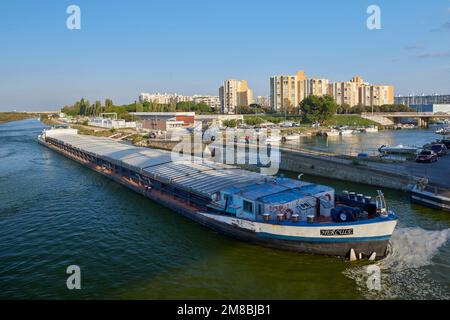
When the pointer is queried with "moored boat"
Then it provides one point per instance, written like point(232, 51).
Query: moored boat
point(398, 149)
point(371, 129)
point(345, 132)
point(291, 137)
point(443, 131)
point(276, 212)
point(332, 133)
point(430, 196)
point(273, 139)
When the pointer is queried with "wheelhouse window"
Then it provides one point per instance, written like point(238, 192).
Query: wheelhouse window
point(259, 209)
point(248, 206)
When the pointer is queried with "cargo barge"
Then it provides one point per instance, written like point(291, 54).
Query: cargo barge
point(275, 212)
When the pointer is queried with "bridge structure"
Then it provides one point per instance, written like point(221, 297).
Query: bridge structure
point(391, 118)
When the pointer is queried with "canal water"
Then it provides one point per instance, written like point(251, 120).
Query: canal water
point(368, 143)
point(55, 213)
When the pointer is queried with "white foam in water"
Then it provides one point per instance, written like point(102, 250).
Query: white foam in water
point(403, 272)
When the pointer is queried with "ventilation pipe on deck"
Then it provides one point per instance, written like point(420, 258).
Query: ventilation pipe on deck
point(318, 206)
point(280, 217)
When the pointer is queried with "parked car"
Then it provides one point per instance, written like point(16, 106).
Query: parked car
point(287, 124)
point(446, 142)
point(427, 156)
point(363, 155)
point(438, 148)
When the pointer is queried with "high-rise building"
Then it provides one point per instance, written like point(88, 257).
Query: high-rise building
point(163, 98)
point(356, 92)
point(212, 101)
point(287, 91)
point(283, 92)
point(375, 95)
point(344, 93)
point(234, 93)
point(316, 87)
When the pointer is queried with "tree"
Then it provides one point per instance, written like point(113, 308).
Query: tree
point(318, 109)
point(253, 120)
point(98, 108)
point(230, 123)
point(139, 107)
point(108, 104)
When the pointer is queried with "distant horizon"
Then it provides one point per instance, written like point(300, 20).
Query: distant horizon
point(123, 49)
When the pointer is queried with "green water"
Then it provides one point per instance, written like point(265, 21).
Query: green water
point(55, 213)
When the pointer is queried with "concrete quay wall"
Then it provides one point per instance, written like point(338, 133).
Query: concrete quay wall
point(343, 170)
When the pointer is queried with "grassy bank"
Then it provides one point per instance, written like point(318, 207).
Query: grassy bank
point(14, 116)
point(349, 120)
point(336, 120)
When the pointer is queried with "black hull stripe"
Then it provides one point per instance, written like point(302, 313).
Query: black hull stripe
point(430, 198)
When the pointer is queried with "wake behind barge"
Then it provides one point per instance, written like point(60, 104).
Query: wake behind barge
point(280, 212)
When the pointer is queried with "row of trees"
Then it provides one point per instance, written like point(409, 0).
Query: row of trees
point(85, 108)
point(172, 107)
point(346, 109)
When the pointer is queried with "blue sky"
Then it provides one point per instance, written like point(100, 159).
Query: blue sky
point(128, 47)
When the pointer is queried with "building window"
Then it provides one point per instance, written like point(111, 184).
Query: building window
point(248, 206)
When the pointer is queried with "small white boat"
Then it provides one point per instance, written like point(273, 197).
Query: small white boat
point(332, 133)
point(398, 149)
point(409, 126)
point(371, 129)
point(443, 131)
point(273, 139)
point(292, 137)
point(345, 132)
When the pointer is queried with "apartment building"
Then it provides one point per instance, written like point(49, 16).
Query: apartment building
point(212, 101)
point(316, 87)
point(287, 91)
point(344, 93)
point(356, 92)
point(284, 92)
point(375, 95)
point(163, 98)
point(234, 93)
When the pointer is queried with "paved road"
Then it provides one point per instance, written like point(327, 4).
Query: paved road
point(438, 172)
